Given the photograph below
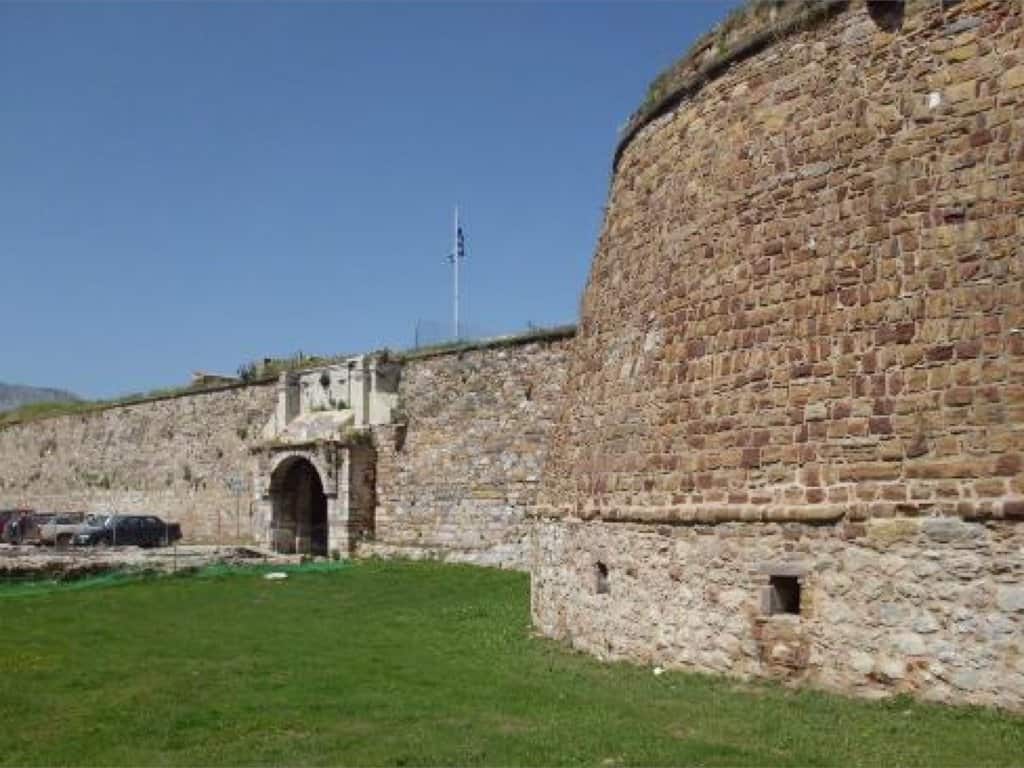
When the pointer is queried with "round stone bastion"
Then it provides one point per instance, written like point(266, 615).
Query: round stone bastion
point(792, 437)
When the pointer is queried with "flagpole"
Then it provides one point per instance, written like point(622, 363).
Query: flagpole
point(455, 259)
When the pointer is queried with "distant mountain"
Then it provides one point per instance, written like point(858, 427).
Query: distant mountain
point(14, 396)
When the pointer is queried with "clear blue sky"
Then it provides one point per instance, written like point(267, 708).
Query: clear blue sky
point(192, 185)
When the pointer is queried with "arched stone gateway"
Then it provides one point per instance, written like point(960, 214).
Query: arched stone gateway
point(316, 499)
point(315, 467)
point(299, 508)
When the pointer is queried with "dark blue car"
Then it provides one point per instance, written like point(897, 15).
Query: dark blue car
point(136, 530)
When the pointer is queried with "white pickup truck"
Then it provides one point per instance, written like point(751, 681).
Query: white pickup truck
point(61, 529)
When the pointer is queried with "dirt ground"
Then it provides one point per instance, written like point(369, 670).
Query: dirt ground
point(26, 561)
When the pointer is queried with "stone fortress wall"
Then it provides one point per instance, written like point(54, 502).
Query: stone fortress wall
point(792, 436)
point(454, 477)
point(183, 458)
point(457, 479)
point(787, 438)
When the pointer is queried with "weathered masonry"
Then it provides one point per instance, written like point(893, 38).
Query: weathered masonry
point(787, 439)
point(792, 441)
point(430, 454)
point(315, 464)
point(183, 458)
point(458, 473)
point(425, 455)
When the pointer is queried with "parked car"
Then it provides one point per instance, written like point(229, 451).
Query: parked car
point(138, 530)
point(61, 529)
point(93, 525)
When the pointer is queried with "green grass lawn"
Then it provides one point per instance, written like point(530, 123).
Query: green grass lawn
point(403, 664)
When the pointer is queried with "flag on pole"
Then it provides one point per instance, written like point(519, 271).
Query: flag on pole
point(458, 254)
point(460, 247)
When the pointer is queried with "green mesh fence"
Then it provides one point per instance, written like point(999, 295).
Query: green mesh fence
point(21, 585)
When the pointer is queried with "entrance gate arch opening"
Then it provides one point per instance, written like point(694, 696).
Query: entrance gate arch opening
point(299, 509)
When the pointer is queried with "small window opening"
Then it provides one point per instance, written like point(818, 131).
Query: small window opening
point(603, 585)
point(785, 595)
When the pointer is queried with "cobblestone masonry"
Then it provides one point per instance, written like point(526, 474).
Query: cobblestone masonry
point(178, 458)
point(805, 319)
point(457, 482)
point(928, 606)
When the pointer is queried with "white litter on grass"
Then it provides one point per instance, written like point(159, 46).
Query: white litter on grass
point(276, 576)
point(659, 671)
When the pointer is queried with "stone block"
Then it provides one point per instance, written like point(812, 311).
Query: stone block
point(889, 669)
point(1013, 78)
point(962, 53)
point(961, 91)
point(934, 470)
point(815, 412)
point(1009, 464)
point(853, 473)
point(1010, 598)
point(882, 531)
point(909, 644)
point(944, 529)
point(862, 663)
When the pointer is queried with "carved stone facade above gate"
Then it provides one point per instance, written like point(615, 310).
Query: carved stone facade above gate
point(314, 468)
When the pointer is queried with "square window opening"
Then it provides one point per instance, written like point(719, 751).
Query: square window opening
point(785, 595)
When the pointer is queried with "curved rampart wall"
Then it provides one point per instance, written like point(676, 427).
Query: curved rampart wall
point(806, 312)
point(806, 300)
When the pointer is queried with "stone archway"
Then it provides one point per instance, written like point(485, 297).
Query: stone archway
point(315, 498)
point(299, 520)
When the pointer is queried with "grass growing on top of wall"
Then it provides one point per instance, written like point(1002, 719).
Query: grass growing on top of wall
point(747, 21)
point(545, 334)
point(46, 410)
point(265, 372)
point(404, 664)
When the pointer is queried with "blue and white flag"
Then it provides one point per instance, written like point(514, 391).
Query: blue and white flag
point(460, 247)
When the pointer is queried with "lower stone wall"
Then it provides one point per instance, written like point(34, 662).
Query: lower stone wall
point(933, 607)
point(185, 459)
point(456, 480)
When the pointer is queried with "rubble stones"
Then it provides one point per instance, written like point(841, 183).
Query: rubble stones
point(457, 480)
point(1010, 598)
point(868, 624)
point(185, 459)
